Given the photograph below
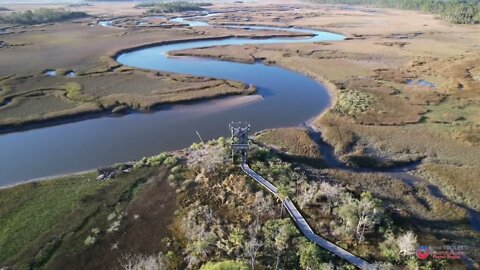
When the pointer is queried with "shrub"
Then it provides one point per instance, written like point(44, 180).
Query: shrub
point(156, 160)
point(142, 162)
point(222, 141)
point(171, 178)
point(90, 240)
point(176, 169)
point(207, 157)
point(170, 161)
point(353, 101)
point(196, 146)
point(114, 226)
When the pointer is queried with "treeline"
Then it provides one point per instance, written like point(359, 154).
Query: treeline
point(169, 7)
point(455, 11)
point(42, 15)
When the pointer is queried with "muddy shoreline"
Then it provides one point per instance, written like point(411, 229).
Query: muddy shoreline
point(105, 112)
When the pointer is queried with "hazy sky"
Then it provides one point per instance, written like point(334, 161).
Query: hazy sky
point(37, 1)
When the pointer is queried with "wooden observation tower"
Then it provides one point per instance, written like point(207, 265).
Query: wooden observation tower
point(239, 139)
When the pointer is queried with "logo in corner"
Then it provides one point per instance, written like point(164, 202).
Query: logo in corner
point(423, 252)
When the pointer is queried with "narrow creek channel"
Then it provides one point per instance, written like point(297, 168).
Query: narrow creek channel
point(400, 172)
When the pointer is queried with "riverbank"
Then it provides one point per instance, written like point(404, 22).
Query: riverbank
point(106, 219)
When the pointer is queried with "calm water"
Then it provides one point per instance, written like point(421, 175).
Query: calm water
point(285, 98)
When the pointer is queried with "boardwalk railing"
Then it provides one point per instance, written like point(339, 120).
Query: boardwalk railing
point(303, 224)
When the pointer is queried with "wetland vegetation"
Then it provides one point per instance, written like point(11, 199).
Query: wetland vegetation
point(192, 208)
point(42, 15)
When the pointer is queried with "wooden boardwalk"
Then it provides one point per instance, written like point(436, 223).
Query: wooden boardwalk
point(303, 224)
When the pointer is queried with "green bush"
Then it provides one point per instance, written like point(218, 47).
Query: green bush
point(353, 101)
point(142, 162)
point(90, 240)
point(222, 141)
point(170, 161)
point(196, 146)
point(176, 169)
point(156, 160)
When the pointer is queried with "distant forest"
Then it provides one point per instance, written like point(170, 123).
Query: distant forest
point(42, 15)
point(169, 7)
point(455, 11)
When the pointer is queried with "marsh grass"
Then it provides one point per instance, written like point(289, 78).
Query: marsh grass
point(73, 89)
point(295, 141)
point(458, 182)
point(40, 98)
point(40, 221)
point(30, 209)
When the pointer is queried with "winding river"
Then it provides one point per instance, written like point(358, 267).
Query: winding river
point(284, 98)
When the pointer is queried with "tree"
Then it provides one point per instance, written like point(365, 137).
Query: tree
point(389, 248)
point(279, 235)
point(282, 240)
point(360, 216)
point(262, 206)
point(332, 193)
point(284, 192)
point(348, 212)
point(455, 11)
point(42, 15)
point(253, 245)
point(234, 242)
point(369, 213)
point(200, 239)
point(251, 249)
point(206, 156)
point(308, 193)
point(142, 262)
point(407, 243)
point(311, 256)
